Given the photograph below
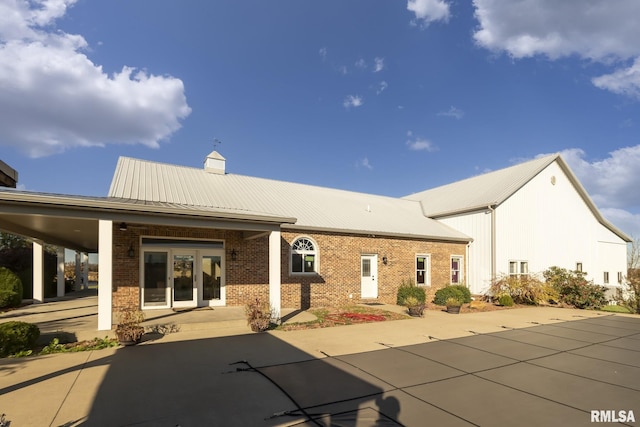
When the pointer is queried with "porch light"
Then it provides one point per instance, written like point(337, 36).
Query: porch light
point(131, 252)
point(234, 255)
point(123, 226)
point(385, 260)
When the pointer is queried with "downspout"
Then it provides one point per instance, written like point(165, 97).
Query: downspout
point(493, 242)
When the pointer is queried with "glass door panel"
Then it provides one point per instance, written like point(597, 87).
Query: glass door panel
point(155, 279)
point(211, 277)
point(183, 266)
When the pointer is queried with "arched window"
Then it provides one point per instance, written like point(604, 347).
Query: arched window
point(304, 256)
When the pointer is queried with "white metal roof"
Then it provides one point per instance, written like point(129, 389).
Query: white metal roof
point(479, 191)
point(312, 207)
point(493, 188)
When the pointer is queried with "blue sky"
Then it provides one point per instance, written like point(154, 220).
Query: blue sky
point(386, 97)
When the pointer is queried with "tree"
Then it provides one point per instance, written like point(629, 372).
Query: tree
point(633, 254)
point(11, 241)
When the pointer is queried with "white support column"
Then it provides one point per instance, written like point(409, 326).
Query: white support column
point(274, 272)
point(105, 266)
point(38, 272)
point(78, 282)
point(85, 270)
point(60, 288)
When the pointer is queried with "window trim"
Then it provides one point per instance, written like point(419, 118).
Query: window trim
point(427, 269)
point(519, 264)
point(315, 253)
point(460, 269)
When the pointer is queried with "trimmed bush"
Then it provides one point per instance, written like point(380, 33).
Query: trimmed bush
point(16, 337)
point(505, 300)
point(410, 290)
point(11, 288)
point(459, 292)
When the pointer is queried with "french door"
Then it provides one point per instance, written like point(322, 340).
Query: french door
point(182, 278)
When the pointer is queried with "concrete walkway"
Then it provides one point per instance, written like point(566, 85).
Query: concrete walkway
point(532, 366)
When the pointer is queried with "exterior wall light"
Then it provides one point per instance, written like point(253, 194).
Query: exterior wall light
point(131, 252)
point(234, 255)
point(385, 260)
point(123, 226)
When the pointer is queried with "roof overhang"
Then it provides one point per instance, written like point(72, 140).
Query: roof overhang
point(72, 221)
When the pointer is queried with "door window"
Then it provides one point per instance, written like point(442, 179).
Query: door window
point(183, 277)
point(155, 278)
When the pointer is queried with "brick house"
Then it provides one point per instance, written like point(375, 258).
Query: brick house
point(322, 246)
point(172, 236)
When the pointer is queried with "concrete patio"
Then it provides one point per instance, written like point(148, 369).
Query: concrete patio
point(532, 366)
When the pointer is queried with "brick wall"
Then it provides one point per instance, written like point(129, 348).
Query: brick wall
point(337, 282)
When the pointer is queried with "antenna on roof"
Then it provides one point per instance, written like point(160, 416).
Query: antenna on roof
point(216, 142)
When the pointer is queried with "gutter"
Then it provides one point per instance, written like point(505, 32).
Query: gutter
point(493, 241)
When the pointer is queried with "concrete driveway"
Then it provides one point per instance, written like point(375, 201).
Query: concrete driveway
point(533, 366)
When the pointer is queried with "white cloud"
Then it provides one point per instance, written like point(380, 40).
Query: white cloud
point(364, 163)
point(593, 29)
point(625, 81)
point(452, 112)
point(626, 221)
point(419, 144)
point(361, 63)
point(596, 30)
point(323, 53)
point(612, 182)
point(378, 65)
point(382, 86)
point(353, 101)
point(428, 11)
point(53, 97)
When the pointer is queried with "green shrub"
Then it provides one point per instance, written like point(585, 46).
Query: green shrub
point(630, 295)
point(574, 289)
point(452, 302)
point(410, 290)
point(17, 337)
point(505, 300)
point(11, 284)
point(459, 292)
point(523, 290)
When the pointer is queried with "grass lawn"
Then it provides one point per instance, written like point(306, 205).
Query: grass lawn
point(615, 309)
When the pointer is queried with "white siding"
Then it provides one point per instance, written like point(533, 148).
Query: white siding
point(547, 223)
point(478, 225)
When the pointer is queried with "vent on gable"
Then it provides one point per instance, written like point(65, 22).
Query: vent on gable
point(215, 163)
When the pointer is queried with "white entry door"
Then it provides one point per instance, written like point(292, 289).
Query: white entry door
point(369, 276)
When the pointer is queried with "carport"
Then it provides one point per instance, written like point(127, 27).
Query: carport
point(87, 224)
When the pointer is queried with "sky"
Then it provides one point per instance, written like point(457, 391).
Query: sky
point(385, 97)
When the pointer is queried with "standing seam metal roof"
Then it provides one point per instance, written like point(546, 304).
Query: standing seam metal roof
point(493, 188)
point(313, 207)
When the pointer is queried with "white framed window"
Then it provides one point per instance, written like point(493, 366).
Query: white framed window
point(456, 269)
point(304, 256)
point(519, 268)
point(620, 277)
point(606, 277)
point(579, 267)
point(423, 270)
